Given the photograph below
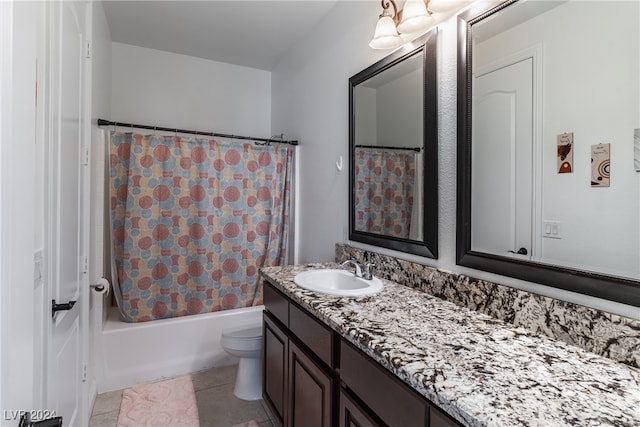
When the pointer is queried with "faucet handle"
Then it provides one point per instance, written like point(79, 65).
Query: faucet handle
point(356, 264)
point(366, 270)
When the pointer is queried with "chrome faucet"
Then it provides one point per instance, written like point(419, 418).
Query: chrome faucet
point(366, 271)
point(362, 271)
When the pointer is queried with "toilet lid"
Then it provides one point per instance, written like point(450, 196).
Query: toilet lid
point(246, 332)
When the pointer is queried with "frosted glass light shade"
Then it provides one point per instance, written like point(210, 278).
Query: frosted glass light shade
point(415, 17)
point(386, 35)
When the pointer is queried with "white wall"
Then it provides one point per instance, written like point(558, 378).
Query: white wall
point(401, 127)
point(379, 121)
point(165, 89)
point(310, 100)
point(366, 130)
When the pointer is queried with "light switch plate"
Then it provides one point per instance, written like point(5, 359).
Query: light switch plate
point(552, 229)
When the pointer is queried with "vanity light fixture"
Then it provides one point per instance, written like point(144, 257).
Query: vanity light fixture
point(413, 18)
point(397, 27)
point(386, 35)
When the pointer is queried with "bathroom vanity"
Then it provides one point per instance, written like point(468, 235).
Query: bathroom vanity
point(311, 376)
point(403, 357)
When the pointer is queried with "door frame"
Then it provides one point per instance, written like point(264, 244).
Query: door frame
point(6, 63)
point(18, 219)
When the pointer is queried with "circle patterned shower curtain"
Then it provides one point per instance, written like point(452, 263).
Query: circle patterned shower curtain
point(192, 222)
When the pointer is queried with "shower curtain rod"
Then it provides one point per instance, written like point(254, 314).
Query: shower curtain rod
point(103, 122)
point(386, 147)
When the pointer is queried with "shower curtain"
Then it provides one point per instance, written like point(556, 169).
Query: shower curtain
point(384, 191)
point(193, 220)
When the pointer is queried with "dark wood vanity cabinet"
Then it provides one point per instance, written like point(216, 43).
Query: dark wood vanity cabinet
point(394, 402)
point(352, 415)
point(298, 378)
point(274, 367)
point(390, 400)
point(312, 377)
point(310, 391)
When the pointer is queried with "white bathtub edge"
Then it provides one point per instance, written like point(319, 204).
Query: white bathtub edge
point(130, 354)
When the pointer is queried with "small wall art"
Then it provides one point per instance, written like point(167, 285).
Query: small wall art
point(565, 153)
point(600, 167)
point(636, 149)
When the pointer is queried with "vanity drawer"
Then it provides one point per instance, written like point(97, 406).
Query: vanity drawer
point(392, 400)
point(276, 303)
point(316, 336)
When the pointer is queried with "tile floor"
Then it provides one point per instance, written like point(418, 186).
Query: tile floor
point(217, 405)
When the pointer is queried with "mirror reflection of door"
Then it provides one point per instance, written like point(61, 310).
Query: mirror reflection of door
point(502, 173)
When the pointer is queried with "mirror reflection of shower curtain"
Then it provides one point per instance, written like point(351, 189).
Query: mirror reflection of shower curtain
point(416, 228)
point(384, 192)
point(193, 221)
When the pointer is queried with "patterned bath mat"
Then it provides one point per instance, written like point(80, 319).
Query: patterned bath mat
point(165, 403)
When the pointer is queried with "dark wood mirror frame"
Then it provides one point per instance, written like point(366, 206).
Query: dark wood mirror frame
point(429, 246)
point(620, 290)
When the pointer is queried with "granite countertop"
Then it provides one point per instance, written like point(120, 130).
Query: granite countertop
point(480, 370)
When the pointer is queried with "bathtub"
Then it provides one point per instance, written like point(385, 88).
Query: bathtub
point(134, 353)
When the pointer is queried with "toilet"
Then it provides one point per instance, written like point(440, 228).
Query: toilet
point(246, 344)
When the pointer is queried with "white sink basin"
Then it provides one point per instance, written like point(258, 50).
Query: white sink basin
point(337, 282)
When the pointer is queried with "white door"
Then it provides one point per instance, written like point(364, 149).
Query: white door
point(66, 222)
point(502, 160)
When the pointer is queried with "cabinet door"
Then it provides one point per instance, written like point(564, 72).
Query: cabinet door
point(351, 415)
point(310, 391)
point(274, 372)
point(437, 418)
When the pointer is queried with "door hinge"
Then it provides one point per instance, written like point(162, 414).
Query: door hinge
point(85, 154)
point(84, 264)
point(38, 267)
point(87, 49)
point(84, 372)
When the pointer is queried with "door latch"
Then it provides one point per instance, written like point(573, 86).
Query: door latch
point(60, 307)
point(521, 251)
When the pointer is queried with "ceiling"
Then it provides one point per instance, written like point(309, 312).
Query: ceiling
point(250, 33)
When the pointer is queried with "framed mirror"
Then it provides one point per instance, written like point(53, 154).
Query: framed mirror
point(549, 144)
point(393, 136)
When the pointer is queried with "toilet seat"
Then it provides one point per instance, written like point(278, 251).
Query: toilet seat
point(243, 333)
point(243, 339)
